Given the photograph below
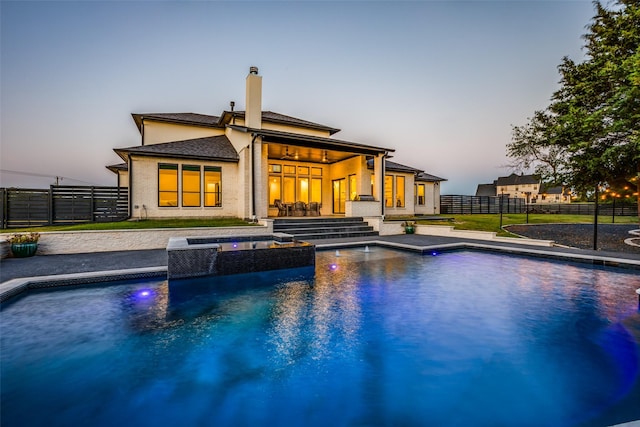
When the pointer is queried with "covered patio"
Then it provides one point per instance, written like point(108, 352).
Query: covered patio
point(311, 176)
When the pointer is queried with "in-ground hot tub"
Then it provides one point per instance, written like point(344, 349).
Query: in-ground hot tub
point(221, 256)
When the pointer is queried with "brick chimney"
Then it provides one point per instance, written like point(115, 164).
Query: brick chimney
point(253, 114)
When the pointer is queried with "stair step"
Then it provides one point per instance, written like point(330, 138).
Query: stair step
point(323, 236)
point(324, 228)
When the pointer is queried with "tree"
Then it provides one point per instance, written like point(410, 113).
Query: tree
point(593, 122)
point(531, 147)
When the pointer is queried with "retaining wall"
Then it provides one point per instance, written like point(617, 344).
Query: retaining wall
point(76, 242)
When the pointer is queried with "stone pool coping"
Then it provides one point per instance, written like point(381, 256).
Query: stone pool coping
point(13, 287)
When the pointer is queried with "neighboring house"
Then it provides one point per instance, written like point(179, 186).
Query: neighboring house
point(244, 163)
point(486, 190)
point(521, 186)
point(553, 194)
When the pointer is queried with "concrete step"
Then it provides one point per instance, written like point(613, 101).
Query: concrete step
point(337, 235)
point(324, 228)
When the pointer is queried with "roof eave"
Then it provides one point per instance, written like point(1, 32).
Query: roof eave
point(125, 152)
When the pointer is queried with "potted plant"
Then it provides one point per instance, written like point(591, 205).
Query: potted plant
point(24, 245)
point(409, 227)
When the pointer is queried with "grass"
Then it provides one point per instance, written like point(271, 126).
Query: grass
point(488, 222)
point(137, 225)
point(491, 222)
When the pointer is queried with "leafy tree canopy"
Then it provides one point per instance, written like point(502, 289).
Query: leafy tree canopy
point(590, 133)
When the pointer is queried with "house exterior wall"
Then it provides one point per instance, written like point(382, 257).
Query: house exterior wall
point(159, 132)
point(519, 190)
point(123, 178)
point(286, 128)
point(144, 190)
point(432, 199)
point(408, 208)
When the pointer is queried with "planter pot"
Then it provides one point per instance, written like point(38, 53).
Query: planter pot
point(409, 230)
point(22, 250)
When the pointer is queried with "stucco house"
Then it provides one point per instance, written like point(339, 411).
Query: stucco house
point(521, 186)
point(257, 164)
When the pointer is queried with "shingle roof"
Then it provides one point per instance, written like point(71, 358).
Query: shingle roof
point(427, 177)
point(515, 179)
point(118, 167)
point(208, 148)
point(397, 167)
point(558, 189)
point(486, 190)
point(219, 122)
point(185, 118)
point(272, 117)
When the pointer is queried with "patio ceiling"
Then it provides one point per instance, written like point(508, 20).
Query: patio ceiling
point(306, 154)
point(308, 148)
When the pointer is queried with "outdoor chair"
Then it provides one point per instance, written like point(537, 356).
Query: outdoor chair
point(313, 209)
point(299, 209)
point(282, 209)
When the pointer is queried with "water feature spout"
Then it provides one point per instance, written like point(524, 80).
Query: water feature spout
point(337, 253)
point(366, 248)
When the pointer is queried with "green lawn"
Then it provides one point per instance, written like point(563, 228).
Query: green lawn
point(129, 225)
point(491, 222)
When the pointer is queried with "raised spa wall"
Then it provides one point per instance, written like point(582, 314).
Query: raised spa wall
point(204, 256)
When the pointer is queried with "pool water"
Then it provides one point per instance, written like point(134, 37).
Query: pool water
point(382, 338)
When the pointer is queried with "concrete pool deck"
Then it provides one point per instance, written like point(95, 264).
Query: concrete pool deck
point(19, 274)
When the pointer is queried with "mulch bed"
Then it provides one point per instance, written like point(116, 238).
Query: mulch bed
point(610, 236)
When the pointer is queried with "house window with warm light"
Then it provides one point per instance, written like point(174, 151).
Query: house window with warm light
point(212, 186)
point(190, 186)
point(167, 184)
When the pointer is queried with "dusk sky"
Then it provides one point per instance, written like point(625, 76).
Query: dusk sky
point(442, 82)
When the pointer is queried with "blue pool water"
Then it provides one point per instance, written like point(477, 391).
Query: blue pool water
point(374, 339)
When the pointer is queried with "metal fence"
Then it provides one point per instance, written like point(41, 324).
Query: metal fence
point(465, 205)
point(61, 205)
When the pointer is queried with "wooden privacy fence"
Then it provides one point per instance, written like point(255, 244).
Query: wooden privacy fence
point(62, 204)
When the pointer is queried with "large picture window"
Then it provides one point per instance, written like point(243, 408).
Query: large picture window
point(212, 186)
point(190, 185)
point(419, 194)
point(388, 191)
point(275, 189)
point(400, 201)
point(167, 184)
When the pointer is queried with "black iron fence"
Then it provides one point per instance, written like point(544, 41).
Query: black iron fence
point(60, 205)
point(465, 205)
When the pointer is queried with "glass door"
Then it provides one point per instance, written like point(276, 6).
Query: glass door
point(339, 196)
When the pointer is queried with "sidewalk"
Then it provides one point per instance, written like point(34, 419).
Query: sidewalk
point(47, 265)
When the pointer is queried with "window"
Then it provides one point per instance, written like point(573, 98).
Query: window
point(275, 189)
point(167, 184)
point(275, 168)
point(388, 191)
point(353, 189)
point(289, 193)
point(291, 170)
point(373, 186)
point(303, 190)
point(303, 170)
point(420, 194)
point(400, 202)
point(316, 171)
point(190, 185)
point(212, 186)
point(316, 190)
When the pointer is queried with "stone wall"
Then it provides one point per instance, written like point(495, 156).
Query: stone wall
point(72, 242)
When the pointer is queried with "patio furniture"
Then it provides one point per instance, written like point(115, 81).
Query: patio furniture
point(313, 209)
point(282, 209)
point(299, 209)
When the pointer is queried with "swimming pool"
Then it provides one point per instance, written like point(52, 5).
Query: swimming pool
point(378, 338)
